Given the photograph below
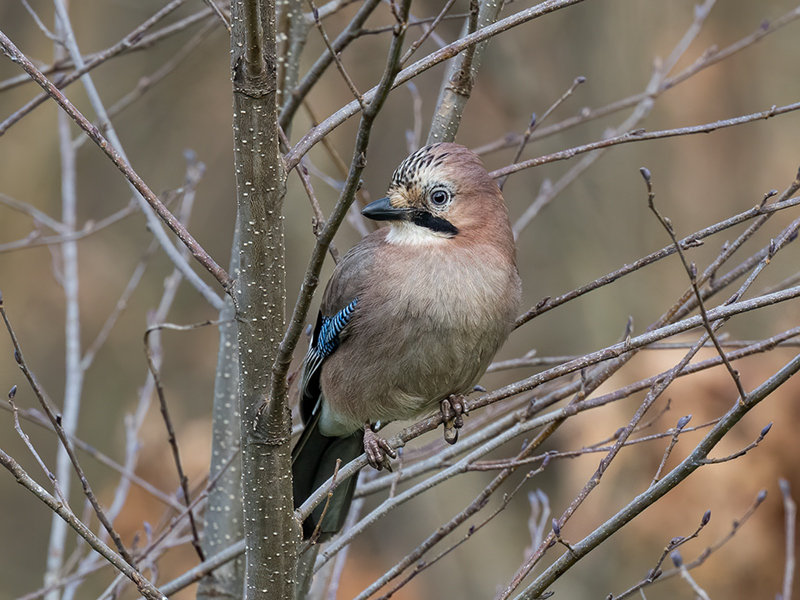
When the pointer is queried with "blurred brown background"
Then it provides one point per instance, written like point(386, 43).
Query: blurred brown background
point(595, 226)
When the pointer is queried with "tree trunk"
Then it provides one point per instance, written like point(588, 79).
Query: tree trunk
point(270, 530)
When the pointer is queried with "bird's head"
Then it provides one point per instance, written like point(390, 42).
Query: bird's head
point(440, 192)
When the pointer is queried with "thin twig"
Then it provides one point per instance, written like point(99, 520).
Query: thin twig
point(18, 428)
point(147, 589)
point(656, 574)
point(187, 510)
point(428, 31)
point(742, 452)
point(493, 465)
point(548, 192)
point(34, 240)
point(535, 123)
point(136, 181)
point(35, 417)
point(55, 420)
point(477, 504)
point(218, 11)
point(676, 432)
point(315, 535)
point(173, 442)
point(335, 55)
point(146, 83)
point(30, 210)
point(710, 57)
point(699, 592)
point(207, 566)
point(679, 541)
point(125, 43)
point(420, 566)
point(119, 307)
point(790, 516)
point(641, 135)
point(675, 476)
point(323, 129)
point(318, 220)
point(654, 393)
point(330, 8)
point(354, 216)
point(338, 566)
point(142, 42)
point(691, 271)
point(39, 23)
point(689, 241)
point(297, 95)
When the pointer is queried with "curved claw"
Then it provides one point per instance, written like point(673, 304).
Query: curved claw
point(453, 409)
point(377, 450)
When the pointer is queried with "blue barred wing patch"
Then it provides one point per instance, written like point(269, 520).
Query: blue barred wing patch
point(331, 327)
point(324, 343)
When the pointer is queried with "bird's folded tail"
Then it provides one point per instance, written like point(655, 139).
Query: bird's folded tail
point(313, 462)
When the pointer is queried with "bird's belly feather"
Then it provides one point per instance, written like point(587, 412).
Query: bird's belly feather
point(435, 341)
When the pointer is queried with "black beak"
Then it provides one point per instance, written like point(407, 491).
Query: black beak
point(382, 210)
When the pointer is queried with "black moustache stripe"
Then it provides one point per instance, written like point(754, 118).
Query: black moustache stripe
point(436, 224)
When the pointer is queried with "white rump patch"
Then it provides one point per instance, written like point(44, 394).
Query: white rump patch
point(409, 234)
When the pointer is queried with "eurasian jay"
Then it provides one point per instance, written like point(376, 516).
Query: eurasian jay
point(410, 319)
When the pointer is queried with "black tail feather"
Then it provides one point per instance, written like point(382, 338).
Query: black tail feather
point(313, 462)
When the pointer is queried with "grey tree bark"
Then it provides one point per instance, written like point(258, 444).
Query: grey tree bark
point(271, 532)
point(457, 84)
point(223, 516)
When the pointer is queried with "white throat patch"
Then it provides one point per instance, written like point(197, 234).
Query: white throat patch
point(409, 234)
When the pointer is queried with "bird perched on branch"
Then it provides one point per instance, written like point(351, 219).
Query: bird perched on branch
point(409, 321)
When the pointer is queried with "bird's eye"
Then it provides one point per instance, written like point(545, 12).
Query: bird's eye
point(439, 197)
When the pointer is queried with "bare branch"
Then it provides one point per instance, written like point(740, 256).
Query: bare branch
point(315, 534)
point(457, 84)
point(675, 476)
point(55, 420)
point(790, 511)
point(428, 32)
point(173, 442)
point(656, 574)
point(97, 59)
point(35, 417)
point(220, 15)
point(18, 428)
point(676, 432)
point(335, 55)
point(137, 182)
point(351, 32)
point(146, 83)
point(449, 51)
point(30, 210)
point(691, 271)
point(694, 239)
point(147, 589)
point(640, 135)
point(711, 57)
point(742, 452)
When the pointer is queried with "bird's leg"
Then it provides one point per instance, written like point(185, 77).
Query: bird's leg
point(453, 409)
point(377, 449)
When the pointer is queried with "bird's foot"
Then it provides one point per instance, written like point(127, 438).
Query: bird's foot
point(377, 450)
point(454, 409)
